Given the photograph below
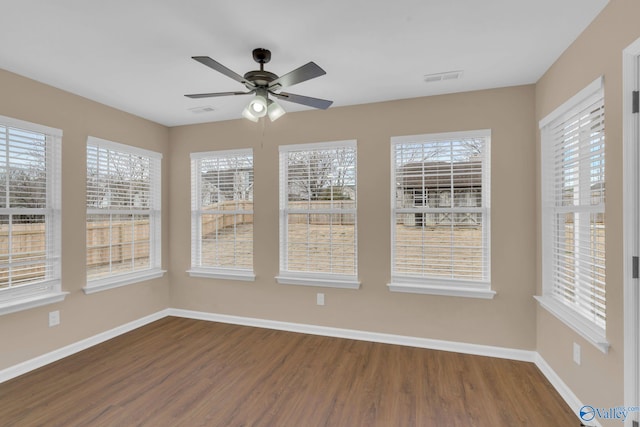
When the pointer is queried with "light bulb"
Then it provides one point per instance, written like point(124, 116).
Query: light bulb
point(258, 106)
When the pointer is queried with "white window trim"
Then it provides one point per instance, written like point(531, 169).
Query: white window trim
point(222, 273)
point(117, 146)
point(577, 102)
point(587, 330)
point(326, 280)
point(225, 273)
point(318, 279)
point(155, 252)
point(442, 286)
point(577, 323)
point(26, 303)
point(26, 297)
point(631, 125)
point(452, 288)
point(116, 281)
point(50, 291)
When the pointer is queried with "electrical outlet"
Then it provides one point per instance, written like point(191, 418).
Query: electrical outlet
point(320, 298)
point(54, 318)
point(576, 353)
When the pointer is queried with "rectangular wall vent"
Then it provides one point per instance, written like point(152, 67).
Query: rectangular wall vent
point(439, 77)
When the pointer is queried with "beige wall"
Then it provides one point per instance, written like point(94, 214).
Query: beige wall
point(26, 334)
point(511, 320)
point(598, 51)
point(508, 320)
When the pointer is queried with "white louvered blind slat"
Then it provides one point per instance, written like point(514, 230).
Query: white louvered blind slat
point(576, 151)
point(318, 228)
point(123, 209)
point(222, 210)
point(440, 228)
point(574, 202)
point(29, 207)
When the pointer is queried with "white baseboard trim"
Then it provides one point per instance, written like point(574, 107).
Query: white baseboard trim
point(475, 349)
point(45, 359)
point(563, 389)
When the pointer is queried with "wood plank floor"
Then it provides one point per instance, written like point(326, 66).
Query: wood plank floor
point(183, 372)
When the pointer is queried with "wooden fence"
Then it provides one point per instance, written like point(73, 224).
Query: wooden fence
point(27, 243)
point(323, 218)
point(221, 220)
point(124, 237)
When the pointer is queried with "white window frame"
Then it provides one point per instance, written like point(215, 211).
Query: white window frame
point(320, 279)
point(49, 290)
point(589, 330)
point(431, 285)
point(197, 269)
point(631, 199)
point(154, 270)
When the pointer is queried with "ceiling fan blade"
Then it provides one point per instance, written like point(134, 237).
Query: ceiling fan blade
point(322, 104)
point(211, 95)
point(307, 72)
point(205, 60)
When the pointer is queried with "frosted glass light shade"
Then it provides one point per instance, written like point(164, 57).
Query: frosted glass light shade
point(258, 106)
point(275, 111)
point(248, 114)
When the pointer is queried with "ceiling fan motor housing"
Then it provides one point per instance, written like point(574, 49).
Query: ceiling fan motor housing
point(261, 56)
point(259, 78)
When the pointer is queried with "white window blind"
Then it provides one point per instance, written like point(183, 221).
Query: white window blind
point(29, 210)
point(222, 214)
point(318, 225)
point(573, 191)
point(440, 211)
point(123, 210)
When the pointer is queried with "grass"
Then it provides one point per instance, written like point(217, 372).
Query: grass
point(331, 249)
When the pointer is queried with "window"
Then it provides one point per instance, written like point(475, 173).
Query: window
point(318, 215)
point(29, 215)
point(573, 220)
point(440, 228)
point(222, 214)
point(123, 215)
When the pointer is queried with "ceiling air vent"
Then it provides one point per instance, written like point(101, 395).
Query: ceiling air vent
point(440, 77)
point(200, 110)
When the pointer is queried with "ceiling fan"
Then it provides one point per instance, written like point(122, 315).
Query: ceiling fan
point(262, 83)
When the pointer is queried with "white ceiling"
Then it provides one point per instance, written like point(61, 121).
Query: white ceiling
point(135, 55)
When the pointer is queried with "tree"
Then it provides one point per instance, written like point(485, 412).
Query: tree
point(116, 179)
point(320, 174)
point(226, 178)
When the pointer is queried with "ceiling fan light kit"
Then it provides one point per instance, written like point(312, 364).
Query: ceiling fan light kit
point(262, 83)
point(247, 114)
point(258, 104)
point(274, 110)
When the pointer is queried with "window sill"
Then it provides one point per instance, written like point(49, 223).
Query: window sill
point(242, 275)
point(32, 302)
point(107, 283)
point(582, 327)
point(452, 290)
point(325, 281)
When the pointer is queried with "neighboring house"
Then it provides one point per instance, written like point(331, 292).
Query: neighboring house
point(441, 185)
point(227, 184)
